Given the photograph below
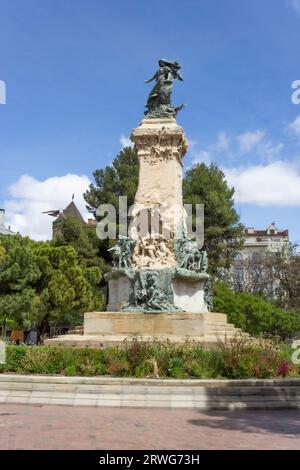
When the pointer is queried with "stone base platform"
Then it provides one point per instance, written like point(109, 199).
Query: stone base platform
point(110, 329)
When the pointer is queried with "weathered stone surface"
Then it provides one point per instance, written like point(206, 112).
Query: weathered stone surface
point(107, 329)
point(118, 293)
point(189, 296)
point(161, 144)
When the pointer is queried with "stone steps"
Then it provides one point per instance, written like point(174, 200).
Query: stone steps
point(104, 341)
point(221, 324)
point(111, 329)
point(223, 327)
point(78, 330)
point(150, 393)
point(223, 331)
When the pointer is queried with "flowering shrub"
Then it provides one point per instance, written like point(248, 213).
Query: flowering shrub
point(238, 359)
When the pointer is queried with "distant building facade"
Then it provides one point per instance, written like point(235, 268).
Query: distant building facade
point(271, 240)
point(3, 229)
point(253, 269)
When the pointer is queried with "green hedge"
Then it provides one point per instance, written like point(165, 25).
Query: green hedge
point(254, 314)
point(240, 360)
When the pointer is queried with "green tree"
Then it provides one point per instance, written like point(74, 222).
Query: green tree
point(17, 309)
point(254, 314)
point(118, 179)
point(40, 282)
point(2, 251)
point(82, 237)
point(66, 288)
point(207, 185)
point(72, 232)
point(18, 275)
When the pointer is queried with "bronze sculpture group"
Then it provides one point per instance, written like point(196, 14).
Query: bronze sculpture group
point(159, 100)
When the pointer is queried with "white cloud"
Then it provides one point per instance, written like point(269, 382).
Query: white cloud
point(125, 141)
point(30, 197)
point(269, 151)
point(295, 4)
point(295, 126)
point(223, 142)
point(249, 140)
point(275, 184)
point(203, 156)
point(207, 154)
point(254, 145)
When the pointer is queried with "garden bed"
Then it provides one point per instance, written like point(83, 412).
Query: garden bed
point(240, 359)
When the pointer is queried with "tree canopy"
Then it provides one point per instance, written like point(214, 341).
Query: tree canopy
point(18, 275)
point(83, 238)
point(254, 314)
point(39, 281)
point(118, 179)
point(207, 185)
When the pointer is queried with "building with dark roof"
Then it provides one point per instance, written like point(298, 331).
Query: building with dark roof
point(70, 212)
point(271, 240)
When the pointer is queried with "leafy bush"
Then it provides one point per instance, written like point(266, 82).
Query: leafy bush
point(254, 314)
point(70, 370)
point(239, 359)
point(176, 368)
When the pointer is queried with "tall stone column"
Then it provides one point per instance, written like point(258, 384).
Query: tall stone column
point(161, 144)
point(158, 216)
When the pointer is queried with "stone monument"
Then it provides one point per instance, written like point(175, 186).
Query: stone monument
point(158, 268)
point(159, 285)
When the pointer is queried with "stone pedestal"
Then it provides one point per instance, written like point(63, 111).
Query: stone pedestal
point(151, 324)
point(188, 293)
point(115, 329)
point(118, 293)
point(190, 296)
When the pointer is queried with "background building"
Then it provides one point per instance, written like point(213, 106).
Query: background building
point(3, 229)
point(70, 212)
point(271, 240)
point(254, 268)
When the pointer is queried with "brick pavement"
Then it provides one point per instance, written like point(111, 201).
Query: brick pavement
point(59, 427)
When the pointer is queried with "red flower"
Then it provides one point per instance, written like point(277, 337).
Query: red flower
point(284, 369)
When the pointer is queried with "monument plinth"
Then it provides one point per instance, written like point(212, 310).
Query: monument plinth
point(159, 285)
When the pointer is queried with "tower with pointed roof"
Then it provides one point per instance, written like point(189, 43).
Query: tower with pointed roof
point(70, 212)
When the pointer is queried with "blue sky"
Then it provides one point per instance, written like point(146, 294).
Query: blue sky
point(75, 70)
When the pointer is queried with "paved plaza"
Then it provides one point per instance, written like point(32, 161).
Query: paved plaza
point(60, 427)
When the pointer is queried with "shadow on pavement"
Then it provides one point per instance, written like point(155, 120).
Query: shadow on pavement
point(252, 421)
